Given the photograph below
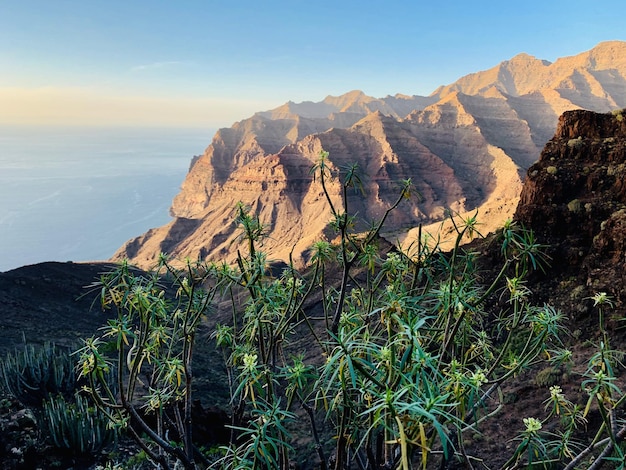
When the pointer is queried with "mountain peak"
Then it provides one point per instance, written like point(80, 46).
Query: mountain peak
point(607, 55)
point(610, 46)
point(354, 94)
point(524, 58)
point(355, 103)
point(524, 73)
point(348, 99)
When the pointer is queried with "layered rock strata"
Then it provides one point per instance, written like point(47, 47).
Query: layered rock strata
point(466, 148)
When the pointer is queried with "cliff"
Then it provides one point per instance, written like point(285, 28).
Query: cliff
point(466, 148)
point(574, 199)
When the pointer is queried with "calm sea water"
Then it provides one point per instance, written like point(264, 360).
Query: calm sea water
point(79, 193)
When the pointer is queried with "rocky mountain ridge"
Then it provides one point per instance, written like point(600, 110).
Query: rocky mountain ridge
point(466, 148)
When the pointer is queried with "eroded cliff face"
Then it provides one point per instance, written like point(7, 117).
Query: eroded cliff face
point(574, 199)
point(466, 149)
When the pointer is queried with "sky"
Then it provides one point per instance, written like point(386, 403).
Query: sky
point(205, 63)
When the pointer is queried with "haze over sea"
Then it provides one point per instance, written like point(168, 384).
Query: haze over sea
point(78, 193)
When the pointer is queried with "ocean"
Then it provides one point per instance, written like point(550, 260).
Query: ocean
point(78, 193)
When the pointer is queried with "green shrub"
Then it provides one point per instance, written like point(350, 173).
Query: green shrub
point(411, 361)
point(77, 426)
point(153, 337)
point(575, 143)
point(412, 357)
point(36, 372)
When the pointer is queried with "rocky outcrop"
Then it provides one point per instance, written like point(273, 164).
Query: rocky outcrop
point(466, 148)
point(574, 199)
point(19, 433)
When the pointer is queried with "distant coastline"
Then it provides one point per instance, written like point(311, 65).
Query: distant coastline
point(78, 193)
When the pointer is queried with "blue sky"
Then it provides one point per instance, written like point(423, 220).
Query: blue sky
point(209, 63)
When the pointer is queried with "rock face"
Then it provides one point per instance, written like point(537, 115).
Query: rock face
point(465, 147)
point(574, 198)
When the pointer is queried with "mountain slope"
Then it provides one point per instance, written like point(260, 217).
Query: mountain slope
point(465, 147)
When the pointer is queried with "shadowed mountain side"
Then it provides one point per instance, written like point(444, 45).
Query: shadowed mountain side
point(288, 198)
point(466, 148)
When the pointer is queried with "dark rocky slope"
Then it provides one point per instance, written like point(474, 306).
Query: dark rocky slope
point(49, 302)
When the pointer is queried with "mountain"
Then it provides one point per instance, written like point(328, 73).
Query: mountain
point(466, 148)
